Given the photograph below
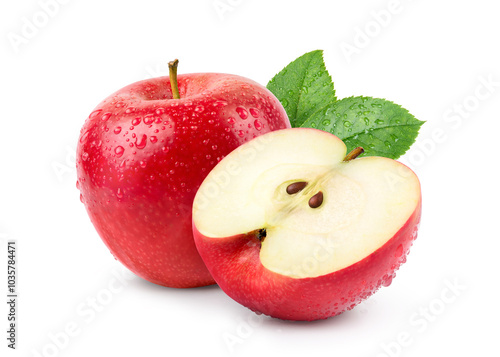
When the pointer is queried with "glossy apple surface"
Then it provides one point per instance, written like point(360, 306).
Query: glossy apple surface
point(142, 155)
point(272, 245)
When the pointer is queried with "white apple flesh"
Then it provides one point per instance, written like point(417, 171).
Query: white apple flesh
point(288, 228)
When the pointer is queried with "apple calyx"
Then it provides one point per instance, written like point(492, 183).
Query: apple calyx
point(354, 154)
point(172, 70)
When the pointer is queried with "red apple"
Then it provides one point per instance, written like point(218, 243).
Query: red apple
point(142, 156)
point(291, 227)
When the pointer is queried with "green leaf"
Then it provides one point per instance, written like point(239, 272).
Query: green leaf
point(381, 127)
point(303, 87)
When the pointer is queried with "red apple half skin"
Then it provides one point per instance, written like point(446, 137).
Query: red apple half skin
point(236, 266)
point(142, 155)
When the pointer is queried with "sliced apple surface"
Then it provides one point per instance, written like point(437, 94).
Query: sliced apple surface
point(314, 211)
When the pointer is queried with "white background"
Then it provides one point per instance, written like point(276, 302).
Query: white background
point(432, 57)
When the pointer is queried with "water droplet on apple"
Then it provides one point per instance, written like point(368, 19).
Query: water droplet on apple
point(77, 184)
point(105, 116)
point(117, 130)
point(214, 147)
point(220, 103)
point(85, 156)
point(84, 136)
point(95, 113)
point(242, 112)
point(81, 198)
point(119, 105)
point(119, 151)
point(142, 163)
point(130, 110)
point(241, 133)
point(257, 124)
point(199, 109)
point(254, 112)
point(141, 141)
point(387, 280)
point(136, 121)
point(148, 119)
point(399, 251)
point(153, 139)
point(119, 193)
point(231, 120)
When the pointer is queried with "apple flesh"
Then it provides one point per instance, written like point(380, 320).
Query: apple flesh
point(288, 228)
point(142, 155)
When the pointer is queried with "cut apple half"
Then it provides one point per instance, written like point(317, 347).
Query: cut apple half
point(304, 208)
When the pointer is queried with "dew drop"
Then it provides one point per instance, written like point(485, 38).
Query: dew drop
point(117, 130)
point(148, 119)
point(119, 151)
point(284, 102)
point(367, 121)
point(153, 139)
point(106, 116)
point(326, 122)
point(242, 112)
point(142, 163)
point(290, 92)
point(141, 141)
point(130, 110)
point(241, 133)
point(379, 121)
point(231, 120)
point(95, 113)
point(220, 103)
point(347, 123)
point(305, 90)
point(136, 121)
point(399, 251)
point(254, 112)
point(84, 136)
point(387, 144)
point(257, 124)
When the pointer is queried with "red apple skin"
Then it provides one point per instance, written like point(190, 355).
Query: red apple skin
point(235, 265)
point(141, 157)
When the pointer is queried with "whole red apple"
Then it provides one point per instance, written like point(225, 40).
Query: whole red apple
point(304, 232)
point(142, 154)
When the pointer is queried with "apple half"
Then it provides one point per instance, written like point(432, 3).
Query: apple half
point(290, 227)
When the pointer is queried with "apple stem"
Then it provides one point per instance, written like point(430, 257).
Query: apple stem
point(354, 154)
point(172, 69)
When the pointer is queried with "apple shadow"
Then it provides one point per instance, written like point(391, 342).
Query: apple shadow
point(145, 285)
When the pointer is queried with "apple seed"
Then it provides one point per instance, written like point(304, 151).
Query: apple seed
point(316, 200)
point(295, 187)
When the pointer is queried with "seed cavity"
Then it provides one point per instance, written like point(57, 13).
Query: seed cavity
point(316, 200)
point(296, 187)
point(262, 234)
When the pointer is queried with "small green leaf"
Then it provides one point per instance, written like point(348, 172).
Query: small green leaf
point(303, 87)
point(381, 127)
